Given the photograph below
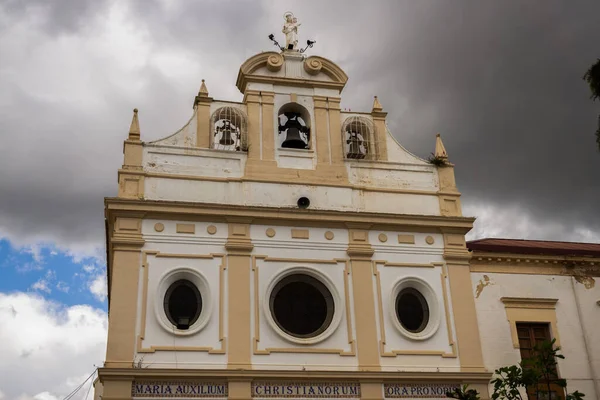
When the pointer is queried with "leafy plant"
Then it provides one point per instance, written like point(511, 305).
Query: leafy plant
point(536, 373)
point(437, 160)
point(592, 77)
point(509, 380)
point(463, 393)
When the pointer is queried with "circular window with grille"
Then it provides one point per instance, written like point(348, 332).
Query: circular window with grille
point(303, 306)
point(183, 301)
point(415, 309)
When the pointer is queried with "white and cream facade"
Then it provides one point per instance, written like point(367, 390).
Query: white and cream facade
point(255, 227)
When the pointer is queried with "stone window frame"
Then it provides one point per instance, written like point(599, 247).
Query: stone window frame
point(196, 278)
point(431, 297)
point(338, 313)
point(523, 309)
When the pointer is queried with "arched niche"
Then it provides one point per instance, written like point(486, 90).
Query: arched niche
point(229, 129)
point(294, 126)
point(358, 136)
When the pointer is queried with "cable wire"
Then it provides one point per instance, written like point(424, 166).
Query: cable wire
point(90, 388)
point(70, 395)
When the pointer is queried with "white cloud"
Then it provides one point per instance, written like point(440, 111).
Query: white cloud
point(29, 266)
point(38, 335)
point(36, 252)
point(98, 287)
point(42, 286)
point(63, 287)
point(89, 268)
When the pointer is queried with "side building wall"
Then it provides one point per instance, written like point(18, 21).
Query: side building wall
point(505, 295)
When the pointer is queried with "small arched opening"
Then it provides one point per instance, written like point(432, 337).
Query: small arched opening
point(229, 129)
point(294, 126)
point(358, 135)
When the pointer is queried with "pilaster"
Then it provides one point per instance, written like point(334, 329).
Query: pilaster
point(321, 131)
point(360, 252)
point(379, 116)
point(449, 196)
point(239, 264)
point(463, 302)
point(268, 131)
point(335, 131)
point(124, 269)
point(117, 388)
point(252, 100)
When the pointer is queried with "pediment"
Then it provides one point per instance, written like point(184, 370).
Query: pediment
point(291, 68)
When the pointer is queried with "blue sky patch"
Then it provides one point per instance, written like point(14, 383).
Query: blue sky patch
point(53, 274)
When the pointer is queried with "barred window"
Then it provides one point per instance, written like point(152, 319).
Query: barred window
point(229, 129)
point(359, 138)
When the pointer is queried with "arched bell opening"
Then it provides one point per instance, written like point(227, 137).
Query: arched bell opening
point(229, 129)
point(294, 126)
point(358, 135)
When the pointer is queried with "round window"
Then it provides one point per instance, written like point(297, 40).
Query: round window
point(183, 304)
point(412, 310)
point(301, 306)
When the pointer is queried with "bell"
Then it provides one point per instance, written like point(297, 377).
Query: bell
point(293, 139)
point(354, 147)
point(226, 139)
point(293, 128)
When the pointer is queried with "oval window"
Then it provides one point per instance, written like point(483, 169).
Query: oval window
point(412, 310)
point(183, 304)
point(301, 306)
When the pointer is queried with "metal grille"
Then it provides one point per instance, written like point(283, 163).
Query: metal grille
point(229, 129)
point(358, 134)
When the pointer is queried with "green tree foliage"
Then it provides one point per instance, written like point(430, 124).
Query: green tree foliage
point(463, 393)
point(535, 374)
point(592, 77)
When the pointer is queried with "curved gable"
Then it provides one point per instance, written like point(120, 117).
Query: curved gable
point(291, 69)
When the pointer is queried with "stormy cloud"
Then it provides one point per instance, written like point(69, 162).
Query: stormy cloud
point(500, 81)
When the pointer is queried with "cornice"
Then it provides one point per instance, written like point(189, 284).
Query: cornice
point(524, 302)
point(557, 261)
point(171, 209)
point(375, 376)
point(244, 79)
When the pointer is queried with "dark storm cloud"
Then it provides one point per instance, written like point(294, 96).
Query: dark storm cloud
point(500, 81)
point(56, 16)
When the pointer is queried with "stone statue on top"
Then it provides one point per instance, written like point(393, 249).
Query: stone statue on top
point(290, 29)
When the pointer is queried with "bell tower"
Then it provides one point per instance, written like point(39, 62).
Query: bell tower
point(281, 247)
point(293, 104)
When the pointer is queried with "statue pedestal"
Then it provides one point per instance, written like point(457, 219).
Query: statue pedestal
point(293, 55)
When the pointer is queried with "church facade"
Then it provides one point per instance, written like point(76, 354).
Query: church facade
point(281, 247)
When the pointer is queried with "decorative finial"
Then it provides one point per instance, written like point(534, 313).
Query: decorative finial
point(134, 129)
point(203, 90)
point(440, 150)
point(377, 105)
